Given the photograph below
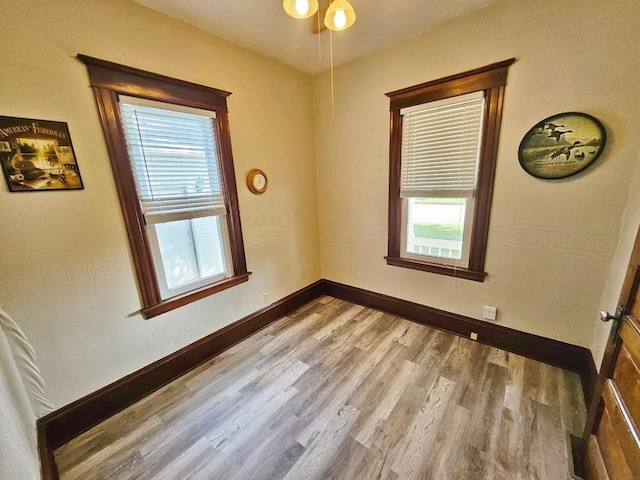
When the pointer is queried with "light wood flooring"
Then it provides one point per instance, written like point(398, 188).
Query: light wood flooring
point(339, 391)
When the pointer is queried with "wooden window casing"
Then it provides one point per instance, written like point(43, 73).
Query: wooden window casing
point(492, 80)
point(109, 81)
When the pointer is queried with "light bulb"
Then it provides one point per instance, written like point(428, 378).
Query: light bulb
point(302, 7)
point(340, 15)
point(340, 19)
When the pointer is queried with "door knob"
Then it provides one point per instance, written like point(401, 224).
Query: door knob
point(606, 316)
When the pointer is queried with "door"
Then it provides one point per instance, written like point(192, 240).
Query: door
point(614, 413)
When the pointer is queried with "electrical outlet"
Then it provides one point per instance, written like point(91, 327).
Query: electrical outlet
point(265, 297)
point(489, 312)
point(474, 336)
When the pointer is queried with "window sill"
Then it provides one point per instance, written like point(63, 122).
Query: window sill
point(437, 268)
point(186, 298)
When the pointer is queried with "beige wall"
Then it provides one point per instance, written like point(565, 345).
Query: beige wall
point(550, 242)
point(65, 273)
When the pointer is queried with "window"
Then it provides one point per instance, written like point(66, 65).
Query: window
point(444, 136)
point(439, 163)
point(170, 150)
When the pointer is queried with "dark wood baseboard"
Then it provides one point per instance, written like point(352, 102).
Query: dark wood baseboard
point(589, 377)
point(70, 421)
point(559, 354)
point(48, 467)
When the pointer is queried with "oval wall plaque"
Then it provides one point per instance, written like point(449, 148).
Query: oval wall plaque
point(562, 145)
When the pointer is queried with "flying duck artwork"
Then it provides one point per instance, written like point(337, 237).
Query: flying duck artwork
point(562, 145)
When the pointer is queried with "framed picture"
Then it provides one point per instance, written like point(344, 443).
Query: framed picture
point(37, 155)
point(562, 145)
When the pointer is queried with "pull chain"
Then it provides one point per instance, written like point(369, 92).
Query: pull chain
point(319, 39)
point(332, 94)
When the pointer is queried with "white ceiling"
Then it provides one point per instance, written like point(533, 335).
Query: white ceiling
point(264, 27)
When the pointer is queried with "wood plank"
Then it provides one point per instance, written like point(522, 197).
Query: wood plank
point(630, 334)
point(594, 468)
point(546, 425)
point(447, 459)
point(319, 455)
point(337, 391)
point(271, 456)
point(626, 376)
point(619, 452)
point(378, 411)
point(554, 352)
point(635, 310)
point(388, 442)
point(571, 406)
point(421, 435)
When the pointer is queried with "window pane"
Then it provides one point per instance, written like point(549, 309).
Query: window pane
point(191, 250)
point(174, 160)
point(209, 246)
point(440, 147)
point(436, 225)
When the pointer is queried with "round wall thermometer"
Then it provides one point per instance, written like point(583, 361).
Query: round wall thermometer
point(257, 181)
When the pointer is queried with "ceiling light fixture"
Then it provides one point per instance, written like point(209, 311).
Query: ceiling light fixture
point(300, 8)
point(340, 15)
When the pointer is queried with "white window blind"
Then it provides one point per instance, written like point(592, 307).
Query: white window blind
point(440, 147)
point(174, 159)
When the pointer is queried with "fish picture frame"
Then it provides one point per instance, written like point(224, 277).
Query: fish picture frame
point(37, 155)
point(562, 145)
